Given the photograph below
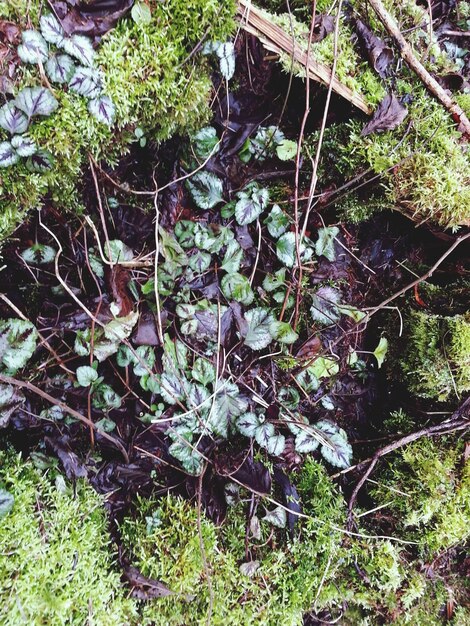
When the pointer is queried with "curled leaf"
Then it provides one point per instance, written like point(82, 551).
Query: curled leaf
point(389, 114)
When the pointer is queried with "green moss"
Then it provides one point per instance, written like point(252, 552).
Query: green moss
point(56, 564)
point(152, 83)
point(436, 355)
point(431, 497)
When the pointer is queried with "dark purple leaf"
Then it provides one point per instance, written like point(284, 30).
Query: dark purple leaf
point(389, 114)
point(72, 465)
point(380, 56)
point(12, 119)
point(144, 588)
point(42, 161)
point(324, 25)
point(290, 496)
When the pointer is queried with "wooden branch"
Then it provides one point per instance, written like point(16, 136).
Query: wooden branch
point(429, 81)
point(275, 39)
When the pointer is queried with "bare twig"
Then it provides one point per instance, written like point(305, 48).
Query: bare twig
point(429, 81)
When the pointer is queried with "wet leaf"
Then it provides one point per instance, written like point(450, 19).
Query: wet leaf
point(250, 204)
point(17, 343)
point(381, 351)
point(325, 244)
point(205, 142)
point(86, 375)
point(258, 335)
point(380, 55)
point(226, 54)
point(237, 287)
point(283, 332)
point(286, 150)
point(232, 258)
point(276, 221)
point(203, 371)
point(389, 114)
point(206, 189)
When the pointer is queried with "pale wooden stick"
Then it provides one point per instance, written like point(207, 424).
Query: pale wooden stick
point(429, 81)
point(275, 39)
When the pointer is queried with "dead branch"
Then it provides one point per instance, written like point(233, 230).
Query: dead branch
point(458, 421)
point(275, 39)
point(429, 81)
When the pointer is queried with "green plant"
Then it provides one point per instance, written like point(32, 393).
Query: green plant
point(57, 558)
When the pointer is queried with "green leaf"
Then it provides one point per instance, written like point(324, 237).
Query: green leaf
point(81, 48)
point(141, 13)
point(200, 261)
point(184, 233)
point(102, 108)
point(283, 332)
point(205, 142)
point(17, 343)
point(233, 257)
point(277, 517)
point(6, 502)
point(38, 254)
point(40, 161)
point(86, 375)
point(206, 189)
point(325, 244)
point(175, 355)
point(105, 425)
point(248, 423)
point(190, 458)
point(106, 398)
point(324, 307)
point(10, 399)
point(144, 360)
point(33, 48)
point(381, 351)
point(324, 367)
point(226, 54)
point(52, 30)
point(276, 445)
point(286, 150)
point(60, 69)
point(285, 249)
point(350, 311)
point(23, 145)
point(87, 82)
point(12, 119)
point(118, 252)
point(272, 282)
point(276, 221)
point(8, 155)
point(257, 334)
point(265, 142)
point(203, 371)
point(251, 203)
point(228, 210)
point(36, 101)
point(237, 287)
point(228, 401)
point(338, 452)
point(171, 388)
point(306, 441)
point(263, 434)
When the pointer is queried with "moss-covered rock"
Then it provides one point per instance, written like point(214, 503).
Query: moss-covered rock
point(56, 559)
point(154, 82)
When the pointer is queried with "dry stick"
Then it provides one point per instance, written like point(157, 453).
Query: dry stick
point(275, 39)
point(429, 81)
point(454, 424)
point(8, 380)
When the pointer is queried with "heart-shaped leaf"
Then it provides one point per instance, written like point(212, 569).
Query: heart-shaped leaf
point(40, 161)
point(86, 375)
point(86, 81)
point(10, 399)
point(276, 445)
point(277, 517)
point(205, 142)
point(257, 334)
point(38, 254)
point(12, 119)
point(233, 257)
point(206, 189)
point(17, 343)
point(226, 54)
point(6, 502)
point(283, 332)
point(381, 351)
point(237, 287)
point(52, 30)
point(36, 101)
point(203, 371)
point(33, 48)
point(325, 244)
point(263, 434)
point(8, 155)
point(60, 69)
point(23, 145)
point(81, 48)
point(102, 109)
point(248, 423)
point(285, 249)
point(276, 221)
point(251, 203)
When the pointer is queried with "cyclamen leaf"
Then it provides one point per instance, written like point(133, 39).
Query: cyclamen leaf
point(86, 81)
point(251, 203)
point(263, 434)
point(39, 254)
point(276, 222)
point(203, 371)
point(276, 445)
point(247, 424)
point(171, 389)
point(226, 54)
point(200, 261)
point(144, 360)
point(205, 142)
point(285, 249)
point(283, 332)
point(33, 48)
point(36, 101)
point(325, 244)
point(277, 518)
point(52, 30)
point(228, 400)
point(8, 155)
point(184, 452)
point(105, 425)
point(6, 502)
point(206, 189)
point(237, 287)
point(324, 307)
point(40, 161)
point(86, 375)
point(324, 367)
point(286, 150)
point(10, 399)
point(12, 119)
point(184, 233)
point(305, 441)
point(257, 335)
point(340, 454)
point(118, 252)
point(23, 145)
point(265, 141)
point(102, 109)
point(233, 257)
point(60, 69)
point(17, 343)
point(81, 48)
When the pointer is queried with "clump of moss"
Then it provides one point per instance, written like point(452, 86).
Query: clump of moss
point(151, 80)
point(57, 561)
point(431, 494)
point(435, 361)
